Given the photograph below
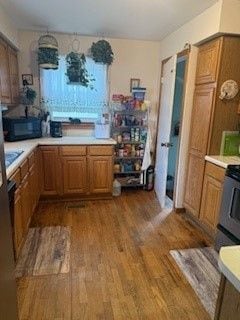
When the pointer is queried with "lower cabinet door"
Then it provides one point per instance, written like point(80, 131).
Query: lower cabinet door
point(18, 221)
point(211, 200)
point(193, 190)
point(26, 204)
point(50, 173)
point(74, 175)
point(100, 174)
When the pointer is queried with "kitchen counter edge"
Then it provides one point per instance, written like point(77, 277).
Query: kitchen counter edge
point(229, 264)
point(223, 161)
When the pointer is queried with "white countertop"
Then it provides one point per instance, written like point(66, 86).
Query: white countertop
point(29, 145)
point(223, 161)
point(229, 264)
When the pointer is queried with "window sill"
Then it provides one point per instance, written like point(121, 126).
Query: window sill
point(83, 125)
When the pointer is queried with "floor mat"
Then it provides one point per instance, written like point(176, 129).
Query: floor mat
point(200, 267)
point(46, 251)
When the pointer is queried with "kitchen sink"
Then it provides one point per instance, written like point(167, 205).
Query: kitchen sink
point(11, 156)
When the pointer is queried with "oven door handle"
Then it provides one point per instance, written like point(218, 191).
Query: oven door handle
point(231, 202)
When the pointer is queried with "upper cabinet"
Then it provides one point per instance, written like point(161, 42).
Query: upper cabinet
point(5, 86)
point(208, 61)
point(14, 80)
point(9, 81)
point(201, 116)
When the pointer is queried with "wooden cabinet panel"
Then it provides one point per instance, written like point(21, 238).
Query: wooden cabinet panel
point(215, 171)
point(208, 62)
point(74, 175)
point(16, 177)
point(194, 183)
point(228, 302)
point(211, 195)
point(31, 159)
point(201, 118)
point(50, 172)
point(14, 80)
point(100, 174)
point(100, 150)
point(33, 181)
point(73, 150)
point(18, 221)
point(26, 204)
point(5, 86)
point(24, 169)
point(211, 201)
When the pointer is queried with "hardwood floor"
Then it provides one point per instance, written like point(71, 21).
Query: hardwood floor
point(120, 265)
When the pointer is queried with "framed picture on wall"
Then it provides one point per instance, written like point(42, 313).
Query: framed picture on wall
point(27, 79)
point(134, 83)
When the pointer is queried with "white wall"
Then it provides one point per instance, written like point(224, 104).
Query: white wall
point(132, 59)
point(230, 17)
point(201, 27)
point(8, 29)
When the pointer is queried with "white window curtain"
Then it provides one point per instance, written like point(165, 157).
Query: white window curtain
point(65, 100)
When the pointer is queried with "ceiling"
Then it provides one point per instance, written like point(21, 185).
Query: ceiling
point(133, 19)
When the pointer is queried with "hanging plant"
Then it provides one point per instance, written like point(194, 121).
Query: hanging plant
point(76, 69)
point(48, 58)
point(48, 52)
point(101, 52)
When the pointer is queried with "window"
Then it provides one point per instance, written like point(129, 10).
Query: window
point(65, 100)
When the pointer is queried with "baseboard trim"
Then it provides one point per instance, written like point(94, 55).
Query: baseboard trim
point(179, 210)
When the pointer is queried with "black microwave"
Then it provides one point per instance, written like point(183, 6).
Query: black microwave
point(16, 129)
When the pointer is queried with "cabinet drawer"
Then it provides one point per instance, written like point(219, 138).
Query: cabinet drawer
point(73, 150)
point(31, 159)
point(16, 177)
point(214, 171)
point(24, 169)
point(100, 150)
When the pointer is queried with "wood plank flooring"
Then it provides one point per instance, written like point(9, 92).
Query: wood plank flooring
point(120, 265)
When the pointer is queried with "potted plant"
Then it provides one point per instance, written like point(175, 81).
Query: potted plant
point(48, 58)
point(28, 96)
point(76, 69)
point(101, 52)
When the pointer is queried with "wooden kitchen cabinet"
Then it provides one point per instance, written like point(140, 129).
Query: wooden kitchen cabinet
point(208, 61)
point(194, 182)
point(217, 62)
point(5, 83)
point(74, 175)
point(50, 173)
point(26, 197)
point(26, 203)
point(34, 189)
point(13, 70)
point(18, 221)
point(100, 174)
point(201, 117)
point(228, 302)
point(211, 196)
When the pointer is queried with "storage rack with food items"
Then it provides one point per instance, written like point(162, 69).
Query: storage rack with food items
point(129, 129)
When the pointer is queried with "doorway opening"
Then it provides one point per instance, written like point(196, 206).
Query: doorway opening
point(169, 127)
point(175, 125)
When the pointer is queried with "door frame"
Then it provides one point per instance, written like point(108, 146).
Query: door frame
point(182, 53)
